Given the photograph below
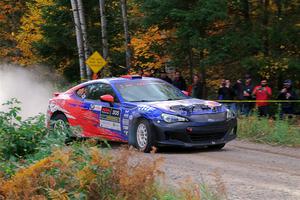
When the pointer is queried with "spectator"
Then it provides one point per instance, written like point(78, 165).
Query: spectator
point(287, 93)
point(141, 72)
point(152, 73)
point(179, 81)
point(238, 90)
point(226, 92)
point(196, 89)
point(262, 93)
point(164, 76)
point(247, 95)
point(148, 74)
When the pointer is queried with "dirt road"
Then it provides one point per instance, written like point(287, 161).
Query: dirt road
point(249, 171)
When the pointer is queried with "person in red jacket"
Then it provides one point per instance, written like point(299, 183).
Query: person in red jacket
point(262, 93)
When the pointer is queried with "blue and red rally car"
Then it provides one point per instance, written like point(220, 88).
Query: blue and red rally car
point(144, 112)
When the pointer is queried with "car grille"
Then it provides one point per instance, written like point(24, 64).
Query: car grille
point(206, 136)
point(214, 117)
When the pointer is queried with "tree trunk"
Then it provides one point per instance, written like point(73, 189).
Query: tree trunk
point(203, 79)
point(266, 4)
point(279, 7)
point(126, 33)
point(84, 36)
point(191, 63)
point(103, 29)
point(79, 40)
point(190, 58)
point(203, 76)
point(246, 10)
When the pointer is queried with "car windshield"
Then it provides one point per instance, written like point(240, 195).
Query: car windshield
point(147, 91)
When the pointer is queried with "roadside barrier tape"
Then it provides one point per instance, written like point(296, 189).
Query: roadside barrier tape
point(257, 101)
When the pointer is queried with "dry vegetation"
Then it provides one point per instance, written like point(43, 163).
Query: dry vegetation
point(36, 164)
point(84, 171)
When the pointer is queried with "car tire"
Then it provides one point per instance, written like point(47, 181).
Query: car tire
point(144, 138)
point(217, 146)
point(61, 120)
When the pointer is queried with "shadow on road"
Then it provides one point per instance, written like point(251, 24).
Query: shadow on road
point(167, 150)
point(181, 150)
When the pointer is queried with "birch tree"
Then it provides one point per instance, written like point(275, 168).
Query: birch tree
point(103, 29)
point(126, 33)
point(79, 40)
point(84, 36)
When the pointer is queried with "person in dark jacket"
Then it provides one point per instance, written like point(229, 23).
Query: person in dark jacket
point(239, 90)
point(179, 81)
point(247, 95)
point(164, 76)
point(287, 93)
point(196, 89)
point(226, 92)
point(239, 93)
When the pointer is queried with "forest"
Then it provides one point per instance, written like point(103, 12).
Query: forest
point(44, 46)
point(215, 38)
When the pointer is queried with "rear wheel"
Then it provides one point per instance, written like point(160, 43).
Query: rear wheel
point(144, 139)
point(60, 123)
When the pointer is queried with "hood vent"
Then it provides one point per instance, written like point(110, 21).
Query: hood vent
point(196, 107)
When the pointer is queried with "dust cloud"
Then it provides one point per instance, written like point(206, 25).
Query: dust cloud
point(33, 86)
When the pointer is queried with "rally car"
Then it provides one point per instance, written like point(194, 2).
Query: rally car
point(145, 112)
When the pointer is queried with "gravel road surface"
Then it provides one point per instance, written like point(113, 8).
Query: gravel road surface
point(248, 170)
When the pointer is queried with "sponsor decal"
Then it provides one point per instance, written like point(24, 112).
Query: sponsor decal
point(106, 111)
point(110, 125)
point(95, 107)
point(211, 120)
point(110, 118)
point(115, 112)
point(145, 108)
point(125, 122)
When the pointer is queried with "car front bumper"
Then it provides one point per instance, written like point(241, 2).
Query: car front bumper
point(194, 134)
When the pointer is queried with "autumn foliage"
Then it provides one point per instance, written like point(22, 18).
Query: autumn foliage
point(84, 171)
point(148, 48)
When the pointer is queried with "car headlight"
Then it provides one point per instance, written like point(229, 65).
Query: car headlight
point(230, 114)
point(173, 118)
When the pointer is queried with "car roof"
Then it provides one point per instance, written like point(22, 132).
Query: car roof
point(114, 80)
point(121, 79)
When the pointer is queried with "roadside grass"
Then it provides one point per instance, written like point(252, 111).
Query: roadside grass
point(284, 132)
point(36, 164)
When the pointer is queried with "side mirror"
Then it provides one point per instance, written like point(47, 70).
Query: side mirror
point(185, 93)
point(107, 98)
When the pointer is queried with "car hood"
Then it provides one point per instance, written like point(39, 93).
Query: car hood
point(184, 107)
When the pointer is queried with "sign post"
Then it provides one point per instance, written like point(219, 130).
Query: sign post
point(96, 62)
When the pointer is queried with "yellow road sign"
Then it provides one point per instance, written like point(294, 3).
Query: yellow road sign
point(96, 62)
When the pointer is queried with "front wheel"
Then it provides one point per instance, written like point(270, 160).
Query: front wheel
point(144, 138)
